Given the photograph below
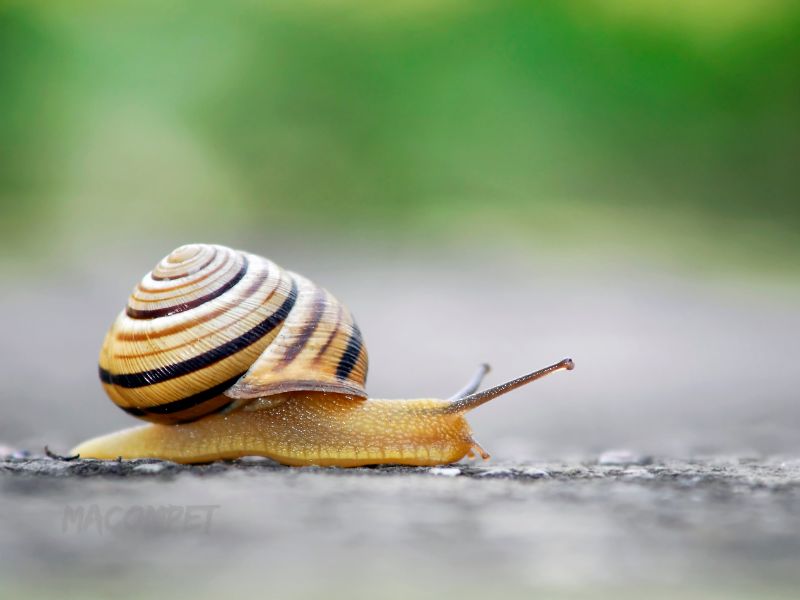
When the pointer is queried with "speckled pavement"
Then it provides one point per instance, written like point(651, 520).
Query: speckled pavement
point(618, 525)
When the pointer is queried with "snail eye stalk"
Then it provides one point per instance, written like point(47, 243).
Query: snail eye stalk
point(461, 405)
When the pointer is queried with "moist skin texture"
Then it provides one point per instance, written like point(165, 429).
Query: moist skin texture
point(304, 428)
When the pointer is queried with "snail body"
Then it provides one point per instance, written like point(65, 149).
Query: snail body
point(228, 355)
point(305, 428)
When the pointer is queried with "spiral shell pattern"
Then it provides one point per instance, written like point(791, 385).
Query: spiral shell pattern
point(210, 328)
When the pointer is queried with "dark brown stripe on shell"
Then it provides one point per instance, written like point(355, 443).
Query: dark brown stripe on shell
point(333, 335)
point(350, 355)
point(176, 406)
point(134, 313)
point(105, 376)
point(248, 293)
point(300, 342)
point(183, 284)
point(189, 272)
point(206, 359)
point(222, 407)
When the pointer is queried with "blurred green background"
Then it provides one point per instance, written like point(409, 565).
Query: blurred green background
point(664, 129)
point(512, 182)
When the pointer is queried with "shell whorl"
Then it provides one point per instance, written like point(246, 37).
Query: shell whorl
point(210, 327)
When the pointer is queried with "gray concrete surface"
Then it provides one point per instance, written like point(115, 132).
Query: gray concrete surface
point(620, 525)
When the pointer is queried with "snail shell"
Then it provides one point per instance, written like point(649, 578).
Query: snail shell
point(211, 328)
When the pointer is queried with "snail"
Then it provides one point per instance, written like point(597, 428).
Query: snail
point(228, 355)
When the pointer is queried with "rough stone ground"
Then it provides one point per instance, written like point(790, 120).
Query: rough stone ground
point(618, 526)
